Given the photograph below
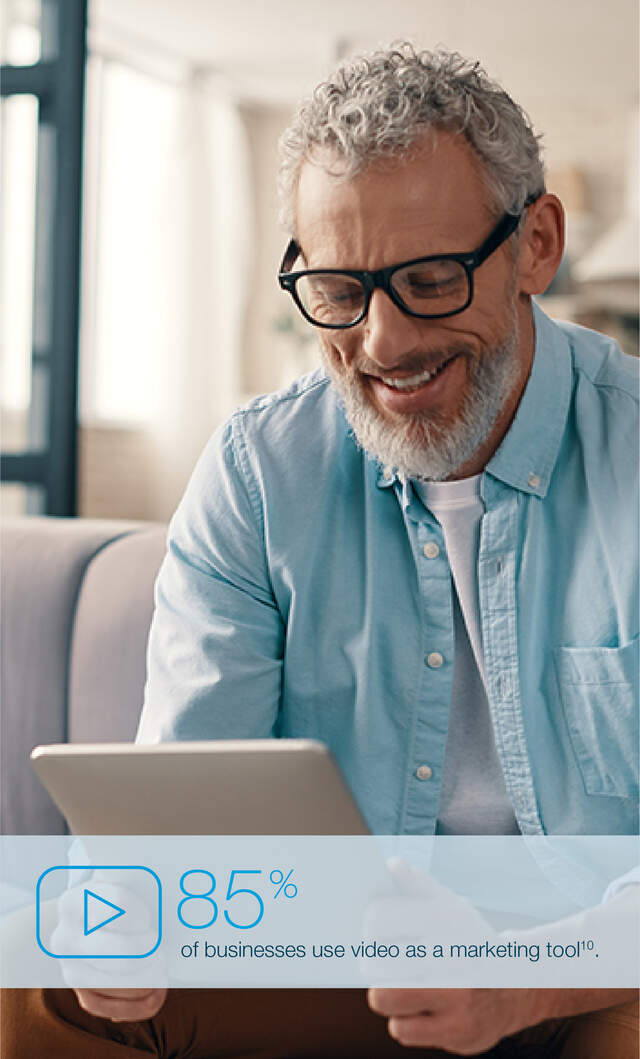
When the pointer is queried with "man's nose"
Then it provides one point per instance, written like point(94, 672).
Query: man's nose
point(389, 333)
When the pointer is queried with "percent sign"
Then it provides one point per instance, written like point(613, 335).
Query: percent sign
point(279, 879)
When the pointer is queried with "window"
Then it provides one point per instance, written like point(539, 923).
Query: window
point(42, 87)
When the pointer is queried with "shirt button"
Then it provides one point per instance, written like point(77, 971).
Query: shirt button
point(434, 660)
point(431, 550)
point(424, 772)
point(534, 480)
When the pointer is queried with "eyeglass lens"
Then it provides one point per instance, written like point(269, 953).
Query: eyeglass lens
point(427, 288)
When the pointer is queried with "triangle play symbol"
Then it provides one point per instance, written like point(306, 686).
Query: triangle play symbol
point(105, 904)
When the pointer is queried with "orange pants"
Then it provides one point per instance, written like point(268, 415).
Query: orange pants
point(273, 1024)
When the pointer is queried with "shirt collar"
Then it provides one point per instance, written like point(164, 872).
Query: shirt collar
point(527, 454)
point(386, 476)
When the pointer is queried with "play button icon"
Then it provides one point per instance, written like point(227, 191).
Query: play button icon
point(88, 897)
point(91, 903)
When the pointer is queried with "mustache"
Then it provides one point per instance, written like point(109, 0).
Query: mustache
point(411, 365)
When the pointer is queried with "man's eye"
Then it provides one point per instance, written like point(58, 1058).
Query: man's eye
point(423, 286)
point(345, 297)
point(431, 284)
point(333, 294)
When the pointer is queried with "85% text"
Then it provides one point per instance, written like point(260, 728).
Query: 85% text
point(198, 909)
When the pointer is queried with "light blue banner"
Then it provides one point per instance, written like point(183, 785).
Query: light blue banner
point(274, 911)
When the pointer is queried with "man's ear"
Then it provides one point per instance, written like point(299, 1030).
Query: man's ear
point(541, 244)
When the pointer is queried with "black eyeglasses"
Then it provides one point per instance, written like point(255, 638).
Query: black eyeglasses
point(427, 287)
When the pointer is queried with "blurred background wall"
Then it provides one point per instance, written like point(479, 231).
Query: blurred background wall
point(181, 317)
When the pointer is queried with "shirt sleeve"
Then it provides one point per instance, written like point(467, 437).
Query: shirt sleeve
point(630, 878)
point(215, 650)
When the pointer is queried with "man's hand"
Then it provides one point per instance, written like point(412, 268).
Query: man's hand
point(468, 1021)
point(462, 1021)
point(115, 988)
point(122, 1005)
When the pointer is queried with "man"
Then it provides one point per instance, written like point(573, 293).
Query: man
point(423, 556)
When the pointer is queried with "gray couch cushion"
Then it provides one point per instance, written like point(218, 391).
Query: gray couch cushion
point(108, 651)
point(43, 566)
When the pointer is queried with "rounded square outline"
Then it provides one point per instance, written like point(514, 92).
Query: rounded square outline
point(92, 955)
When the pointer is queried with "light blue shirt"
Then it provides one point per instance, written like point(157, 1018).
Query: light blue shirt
point(298, 599)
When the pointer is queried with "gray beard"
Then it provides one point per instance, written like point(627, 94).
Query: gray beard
point(422, 445)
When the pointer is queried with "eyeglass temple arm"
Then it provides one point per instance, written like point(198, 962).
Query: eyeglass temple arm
point(290, 255)
point(505, 229)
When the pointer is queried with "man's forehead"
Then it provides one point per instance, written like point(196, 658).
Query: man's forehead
point(435, 192)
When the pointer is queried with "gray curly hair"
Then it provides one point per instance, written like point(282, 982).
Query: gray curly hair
point(380, 104)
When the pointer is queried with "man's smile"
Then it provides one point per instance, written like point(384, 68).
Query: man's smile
point(418, 391)
point(416, 380)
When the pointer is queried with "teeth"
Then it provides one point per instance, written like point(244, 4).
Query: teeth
point(411, 382)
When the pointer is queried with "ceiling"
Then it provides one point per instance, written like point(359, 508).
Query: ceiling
point(272, 50)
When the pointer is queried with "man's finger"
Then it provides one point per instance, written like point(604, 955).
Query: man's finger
point(122, 1005)
point(401, 1001)
point(411, 1030)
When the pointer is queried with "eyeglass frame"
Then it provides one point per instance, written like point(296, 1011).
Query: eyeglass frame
point(381, 278)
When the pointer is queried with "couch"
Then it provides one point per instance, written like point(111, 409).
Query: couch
point(77, 599)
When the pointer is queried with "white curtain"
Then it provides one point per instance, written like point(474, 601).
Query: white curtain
point(168, 226)
point(206, 270)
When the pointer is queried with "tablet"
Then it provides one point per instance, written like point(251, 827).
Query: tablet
point(229, 787)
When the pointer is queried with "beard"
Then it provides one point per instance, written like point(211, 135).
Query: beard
point(429, 445)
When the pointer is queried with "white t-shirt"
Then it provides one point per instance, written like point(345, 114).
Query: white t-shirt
point(473, 799)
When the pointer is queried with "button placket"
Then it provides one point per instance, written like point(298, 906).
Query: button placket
point(430, 720)
point(498, 609)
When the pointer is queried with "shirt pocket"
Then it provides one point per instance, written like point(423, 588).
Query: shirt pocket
point(598, 689)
